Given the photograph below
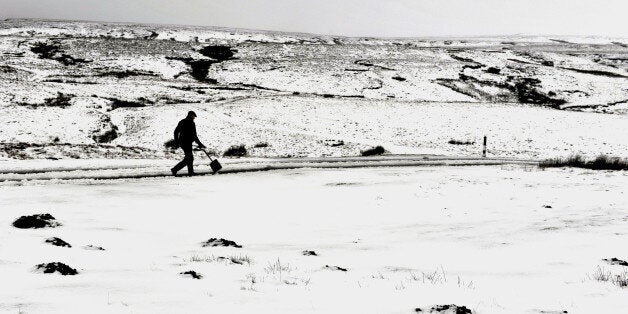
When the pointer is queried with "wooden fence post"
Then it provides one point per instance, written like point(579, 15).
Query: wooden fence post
point(484, 150)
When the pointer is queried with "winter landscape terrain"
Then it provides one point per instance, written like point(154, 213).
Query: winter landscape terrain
point(91, 222)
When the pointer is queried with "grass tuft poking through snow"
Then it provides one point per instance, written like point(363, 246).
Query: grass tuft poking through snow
point(618, 279)
point(601, 162)
point(236, 151)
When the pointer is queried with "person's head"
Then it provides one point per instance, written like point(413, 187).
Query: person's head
point(191, 115)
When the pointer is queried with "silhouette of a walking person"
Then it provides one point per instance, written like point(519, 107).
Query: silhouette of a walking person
point(184, 136)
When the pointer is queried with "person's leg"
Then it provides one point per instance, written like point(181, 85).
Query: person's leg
point(189, 158)
point(184, 162)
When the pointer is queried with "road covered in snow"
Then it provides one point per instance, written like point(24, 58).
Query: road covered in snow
point(493, 239)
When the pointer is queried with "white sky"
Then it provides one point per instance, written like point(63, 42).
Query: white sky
point(351, 17)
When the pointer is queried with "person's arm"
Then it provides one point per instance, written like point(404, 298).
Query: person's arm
point(200, 145)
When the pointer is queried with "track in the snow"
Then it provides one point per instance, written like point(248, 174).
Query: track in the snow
point(112, 172)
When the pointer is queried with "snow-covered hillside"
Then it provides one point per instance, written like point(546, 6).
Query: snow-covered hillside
point(79, 89)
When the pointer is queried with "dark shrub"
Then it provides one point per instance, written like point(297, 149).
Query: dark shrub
point(457, 142)
point(601, 162)
point(171, 144)
point(261, 145)
point(235, 151)
point(377, 150)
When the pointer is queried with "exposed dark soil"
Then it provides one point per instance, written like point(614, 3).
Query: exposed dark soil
point(57, 242)
point(309, 253)
point(213, 242)
point(36, 222)
point(192, 274)
point(119, 103)
point(56, 267)
point(107, 133)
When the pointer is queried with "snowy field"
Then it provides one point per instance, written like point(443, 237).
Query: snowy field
point(495, 239)
point(106, 90)
point(429, 226)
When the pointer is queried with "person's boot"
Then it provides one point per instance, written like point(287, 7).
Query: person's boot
point(174, 172)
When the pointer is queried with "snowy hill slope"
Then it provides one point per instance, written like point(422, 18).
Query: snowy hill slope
point(122, 87)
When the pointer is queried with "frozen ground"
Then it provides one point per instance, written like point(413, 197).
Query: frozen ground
point(94, 90)
point(496, 239)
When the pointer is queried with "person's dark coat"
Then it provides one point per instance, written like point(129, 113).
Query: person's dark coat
point(185, 133)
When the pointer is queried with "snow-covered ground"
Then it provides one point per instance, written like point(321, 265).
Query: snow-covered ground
point(94, 90)
point(509, 239)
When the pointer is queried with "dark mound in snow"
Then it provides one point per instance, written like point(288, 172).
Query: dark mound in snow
point(235, 151)
point(615, 261)
point(309, 253)
point(36, 222)
point(377, 150)
point(447, 308)
point(63, 269)
point(192, 274)
point(335, 268)
point(220, 242)
point(57, 242)
point(93, 248)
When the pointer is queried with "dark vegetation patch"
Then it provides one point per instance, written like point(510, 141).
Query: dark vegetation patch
point(107, 131)
point(459, 142)
point(152, 35)
point(521, 89)
point(601, 162)
point(171, 144)
point(192, 274)
point(119, 103)
point(370, 64)
point(56, 267)
point(615, 261)
point(562, 41)
point(53, 51)
point(125, 74)
point(219, 53)
point(22, 150)
point(309, 253)
point(399, 78)
point(61, 100)
point(235, 151)
point(334, 143)
point(447, 308)
point(213, 242)
point(198, 68)
point(335, 268)
point(493, 70)
point(57, 242)
point(36, 222)
point(377, 150)
point(620, 44)
point(597, 72)
point(261, 145)
point(93, 248)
